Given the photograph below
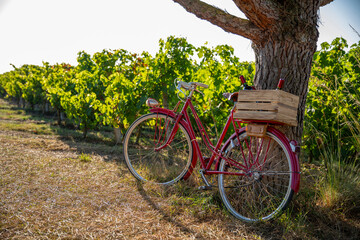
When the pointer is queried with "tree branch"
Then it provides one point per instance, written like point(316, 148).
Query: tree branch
point(224, 20)
point(263, 13)
point(325, 2)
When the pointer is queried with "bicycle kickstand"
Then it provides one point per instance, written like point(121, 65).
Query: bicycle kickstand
point(207, 186)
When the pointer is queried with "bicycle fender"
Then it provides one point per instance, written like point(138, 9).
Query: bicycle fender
point(295, 185)
point(192, 137)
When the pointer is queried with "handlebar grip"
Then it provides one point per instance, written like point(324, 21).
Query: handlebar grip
point(202, 85)
point(184, 85)
point(242, 79)
point(281, 83)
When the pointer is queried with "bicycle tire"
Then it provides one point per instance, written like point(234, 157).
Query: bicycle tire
point(264, 191)
point(167, 166)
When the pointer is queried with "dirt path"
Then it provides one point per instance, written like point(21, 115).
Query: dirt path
point(56, 189)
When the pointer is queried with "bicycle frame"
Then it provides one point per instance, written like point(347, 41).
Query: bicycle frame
point(184, 118)
point(214, 149)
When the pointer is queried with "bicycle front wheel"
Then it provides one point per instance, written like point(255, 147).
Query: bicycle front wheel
point(262, 190)
point(143, 157)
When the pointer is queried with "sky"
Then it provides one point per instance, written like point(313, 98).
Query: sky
point(33, 31)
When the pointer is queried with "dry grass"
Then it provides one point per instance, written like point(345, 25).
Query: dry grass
point(57, 187)
point(52, 188)
point(47, 191)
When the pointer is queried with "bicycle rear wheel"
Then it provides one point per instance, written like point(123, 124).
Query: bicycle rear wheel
point(263, 190)
point(165, 166)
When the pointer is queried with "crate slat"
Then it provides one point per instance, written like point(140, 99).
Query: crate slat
point(256, 106)
point(246, 115)
point(273, 105)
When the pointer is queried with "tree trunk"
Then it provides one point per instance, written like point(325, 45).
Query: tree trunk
point(291, 61)
point(85, 131)
point(284, 36)
point(165, 98)
point(45, 107)
point(62, 116)
point(22, 102)
point(59, 117)
point(287, 53)
point(118, 135)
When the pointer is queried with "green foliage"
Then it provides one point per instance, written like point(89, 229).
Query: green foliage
point(220, 69)
point(3, 80)
point(332, 110)
point(111, 87)
point(26, 83)
point(12, 82)
point(85, 158)
point(81, 103)
point(171, 62)
point(123, 87)
point(57, 82)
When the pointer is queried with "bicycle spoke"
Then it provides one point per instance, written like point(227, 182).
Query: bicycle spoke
point(176, 144)
point(263, 191)
point(139, 155)
point(166, 165)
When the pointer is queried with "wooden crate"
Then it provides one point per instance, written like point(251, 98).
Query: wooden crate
point(267, 105)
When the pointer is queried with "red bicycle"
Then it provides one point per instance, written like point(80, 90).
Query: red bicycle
point(257, 174)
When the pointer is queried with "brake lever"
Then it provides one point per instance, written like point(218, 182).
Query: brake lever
point(180, 90)
point(199, 91)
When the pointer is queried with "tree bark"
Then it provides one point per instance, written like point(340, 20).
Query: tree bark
point(290, 61)
point(59, 117)
point(288, 54)
point(165, 97)
point(284, 36)
point(118, 135)
point(226, 21)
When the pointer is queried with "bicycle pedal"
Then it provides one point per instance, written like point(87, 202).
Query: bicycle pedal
point(205, 187)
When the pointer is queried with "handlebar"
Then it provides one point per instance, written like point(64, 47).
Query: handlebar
point(191, 85)
point(281, 83)
point(242, 79)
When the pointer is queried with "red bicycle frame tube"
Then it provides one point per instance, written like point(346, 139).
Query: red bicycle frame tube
point(187, 127)
point(184, 119)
